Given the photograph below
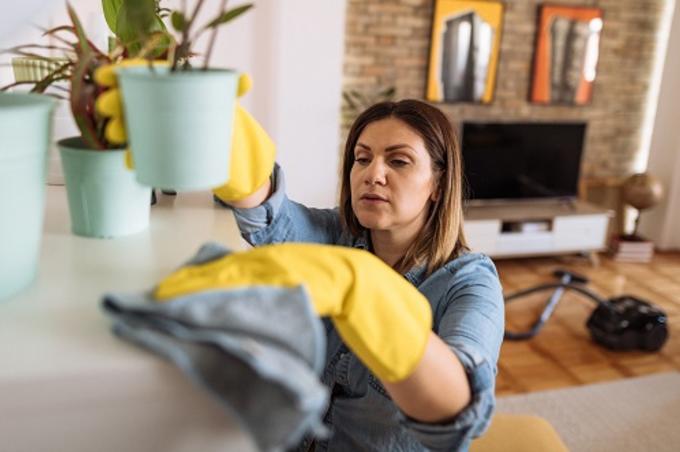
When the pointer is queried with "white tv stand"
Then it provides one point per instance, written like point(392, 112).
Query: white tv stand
point(532, 228)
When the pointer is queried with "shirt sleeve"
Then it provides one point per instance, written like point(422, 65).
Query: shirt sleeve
point(472, 325)
point(279, 219)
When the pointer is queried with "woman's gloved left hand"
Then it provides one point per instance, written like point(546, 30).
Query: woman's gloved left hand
point(379, 314)
point(109, 103)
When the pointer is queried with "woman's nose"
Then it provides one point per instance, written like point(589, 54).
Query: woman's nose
point(375, 173)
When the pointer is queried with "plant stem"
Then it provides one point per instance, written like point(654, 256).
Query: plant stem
point(186, 42)
point(213, 35)
point(185, 46)
point(192, 19)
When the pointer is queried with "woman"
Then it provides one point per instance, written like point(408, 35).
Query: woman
point(401, 199)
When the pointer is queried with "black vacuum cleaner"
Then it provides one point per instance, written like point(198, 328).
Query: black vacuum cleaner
point(620, 323)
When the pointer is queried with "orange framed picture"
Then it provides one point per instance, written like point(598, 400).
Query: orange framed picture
point(566, 54)
point(464, 50)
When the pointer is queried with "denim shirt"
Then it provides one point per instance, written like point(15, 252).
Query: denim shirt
point(468, 315)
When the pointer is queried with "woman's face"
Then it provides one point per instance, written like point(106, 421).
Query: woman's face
point(391, 180)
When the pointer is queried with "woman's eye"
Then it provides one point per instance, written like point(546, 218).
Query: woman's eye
point(399, 162)
point(361, 160)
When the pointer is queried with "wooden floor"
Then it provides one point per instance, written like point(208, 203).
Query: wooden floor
point(563, 354)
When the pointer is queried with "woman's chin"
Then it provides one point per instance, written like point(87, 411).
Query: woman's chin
point(371, 221)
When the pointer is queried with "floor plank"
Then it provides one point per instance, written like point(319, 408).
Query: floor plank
point(563, 354)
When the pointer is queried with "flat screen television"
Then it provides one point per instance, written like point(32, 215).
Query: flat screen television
point(522, 160)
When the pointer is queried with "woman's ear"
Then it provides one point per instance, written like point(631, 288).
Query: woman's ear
point(434, 196)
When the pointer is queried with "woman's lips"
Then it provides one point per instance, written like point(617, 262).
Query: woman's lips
point(373, 199)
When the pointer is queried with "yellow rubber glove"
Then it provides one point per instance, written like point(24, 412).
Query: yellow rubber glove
point(378, 313)
point(252, 153)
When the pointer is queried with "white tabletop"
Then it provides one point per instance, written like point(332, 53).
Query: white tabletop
point(66, 383)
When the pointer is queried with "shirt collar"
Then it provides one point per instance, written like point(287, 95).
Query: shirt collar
point(415, 276)
point(363, 241)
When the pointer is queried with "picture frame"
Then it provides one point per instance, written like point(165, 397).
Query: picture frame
point(464, 51)
point(566, 54)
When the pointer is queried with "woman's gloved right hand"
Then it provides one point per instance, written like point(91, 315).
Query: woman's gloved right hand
point(252, 151)
point(252, 154)
point(378, 313)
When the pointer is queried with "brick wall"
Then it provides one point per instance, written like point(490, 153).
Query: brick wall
point(387, 44)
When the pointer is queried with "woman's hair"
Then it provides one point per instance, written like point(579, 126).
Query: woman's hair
point(442, 237)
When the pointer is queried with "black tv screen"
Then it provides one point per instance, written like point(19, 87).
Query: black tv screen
point(513, 161)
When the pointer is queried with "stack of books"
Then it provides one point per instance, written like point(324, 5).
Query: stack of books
point(632, 248)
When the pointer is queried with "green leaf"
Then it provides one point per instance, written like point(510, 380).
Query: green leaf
point(136, 19)
point(111, 8)
point(124, 29)
point(348, 100)
point(84, 48)
point(228, 16)
point(150, 45)
point(141, 14)
point(388, 93)
point(156, 45)
point(360, 98)
point(179, 22)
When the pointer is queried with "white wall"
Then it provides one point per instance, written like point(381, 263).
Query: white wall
point(662, 223)
point(53, 13)
point(293, 50)
point(309, 95)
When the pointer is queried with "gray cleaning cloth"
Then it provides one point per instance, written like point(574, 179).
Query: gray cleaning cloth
point(258, 350)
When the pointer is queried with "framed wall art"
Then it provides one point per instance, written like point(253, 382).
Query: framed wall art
point(566, 54)
point(464, 51)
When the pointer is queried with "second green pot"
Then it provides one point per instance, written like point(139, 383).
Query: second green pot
point(104, 198)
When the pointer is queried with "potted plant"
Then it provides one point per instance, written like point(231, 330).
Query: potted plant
point(356, 102)
point(179, 118)
point(105, 200)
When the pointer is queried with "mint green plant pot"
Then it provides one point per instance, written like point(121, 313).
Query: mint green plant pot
point(25, 130)
point(179, 125)
point(104, 199)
